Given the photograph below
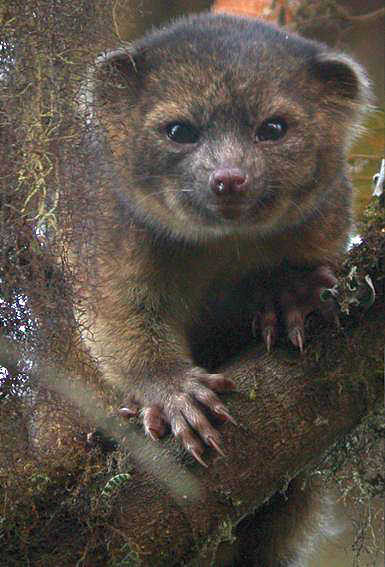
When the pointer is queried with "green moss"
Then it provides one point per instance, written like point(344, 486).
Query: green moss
point(206, 551)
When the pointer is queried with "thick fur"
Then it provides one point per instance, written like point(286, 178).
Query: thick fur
point(176, 274)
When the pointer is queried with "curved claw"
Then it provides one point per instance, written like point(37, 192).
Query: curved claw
point(152, 434)
point(297, 338)
point(211, 441)
point(224, 414)
point(128, 412)
point(292, 295)
point(185, 403)
point(198, 458)
point(268, 336)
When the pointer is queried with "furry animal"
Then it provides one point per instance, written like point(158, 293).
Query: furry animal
point(225, 208)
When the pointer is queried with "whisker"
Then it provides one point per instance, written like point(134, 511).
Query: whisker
point(164, 192)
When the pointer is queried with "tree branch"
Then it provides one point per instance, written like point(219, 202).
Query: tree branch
point(290, 410)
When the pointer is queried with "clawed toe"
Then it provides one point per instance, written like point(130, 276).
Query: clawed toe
point(295, 295)
point(182, 407)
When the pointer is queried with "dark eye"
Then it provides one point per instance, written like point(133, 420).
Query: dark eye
point(182, 133)
point(272, 129)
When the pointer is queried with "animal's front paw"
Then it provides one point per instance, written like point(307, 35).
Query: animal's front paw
point(182, 403)
point(290, 295)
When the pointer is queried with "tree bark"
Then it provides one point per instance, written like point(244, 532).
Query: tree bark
point(290, 410)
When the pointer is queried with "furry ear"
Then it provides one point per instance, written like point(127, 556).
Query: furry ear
point(116, 71)
point(345, 90)
point(343, 79)
point(113, 76)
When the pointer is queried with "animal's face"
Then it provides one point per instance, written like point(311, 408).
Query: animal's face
point(221, 125)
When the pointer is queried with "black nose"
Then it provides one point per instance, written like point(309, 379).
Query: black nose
point(228, 181)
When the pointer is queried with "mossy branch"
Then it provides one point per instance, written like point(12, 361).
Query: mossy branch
point(290, 410)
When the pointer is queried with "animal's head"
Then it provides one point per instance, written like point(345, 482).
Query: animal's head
point(219, 124)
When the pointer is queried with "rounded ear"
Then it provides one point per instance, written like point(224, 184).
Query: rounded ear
point(342, 77)
point(114, 75)
point(114, 72)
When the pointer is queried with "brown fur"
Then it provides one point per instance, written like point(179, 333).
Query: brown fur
point(170, 265)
